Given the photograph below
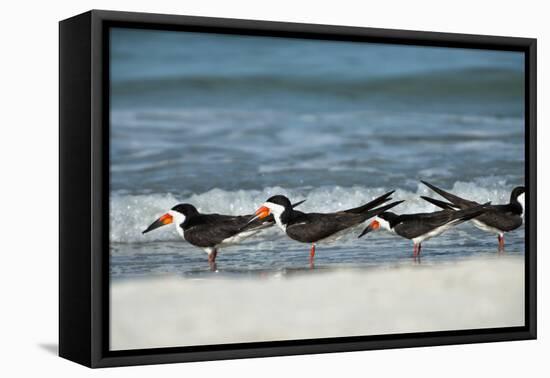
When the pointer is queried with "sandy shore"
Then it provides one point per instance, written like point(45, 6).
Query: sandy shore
point(174, 311)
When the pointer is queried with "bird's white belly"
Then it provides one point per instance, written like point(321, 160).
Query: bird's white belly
point(486, 228)
point(236, 239)
point(435, 232)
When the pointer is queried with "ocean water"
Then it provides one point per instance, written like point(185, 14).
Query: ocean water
point(224, 122)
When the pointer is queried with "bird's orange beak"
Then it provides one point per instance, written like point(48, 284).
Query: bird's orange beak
point(373, 226)
point(263, 212)
point(162, 221)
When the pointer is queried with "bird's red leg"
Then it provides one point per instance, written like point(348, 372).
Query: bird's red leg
point(212, 259)
point(415, 250)
point(311, 255)
point(500, 243)
point(419, 249)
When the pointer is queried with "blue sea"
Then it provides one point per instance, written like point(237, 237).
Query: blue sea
point(225, 121)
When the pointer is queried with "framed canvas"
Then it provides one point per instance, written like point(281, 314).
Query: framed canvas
point(353, 188)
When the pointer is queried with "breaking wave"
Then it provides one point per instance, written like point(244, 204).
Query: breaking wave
point(131, 214)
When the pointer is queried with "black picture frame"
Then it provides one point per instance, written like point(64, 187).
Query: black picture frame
point(84, 188)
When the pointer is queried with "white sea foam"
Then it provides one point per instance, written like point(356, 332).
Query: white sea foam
point(131, 214)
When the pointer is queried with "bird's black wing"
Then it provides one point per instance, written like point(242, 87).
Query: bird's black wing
point(442, 204)
point(411, 226)
point(460, 202)
point(207, 230)
point(312, 227)
point(372, 204)
point(502, 217)
point(379, 210)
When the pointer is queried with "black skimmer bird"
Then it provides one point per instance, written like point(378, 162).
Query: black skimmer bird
point(498, 219)
point(211, 231)
point(315, 227)
point(422, 226)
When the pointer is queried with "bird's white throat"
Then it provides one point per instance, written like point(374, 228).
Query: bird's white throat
point(277, 211)
point(521, 200)
point(384, 224)
point(178, 218)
